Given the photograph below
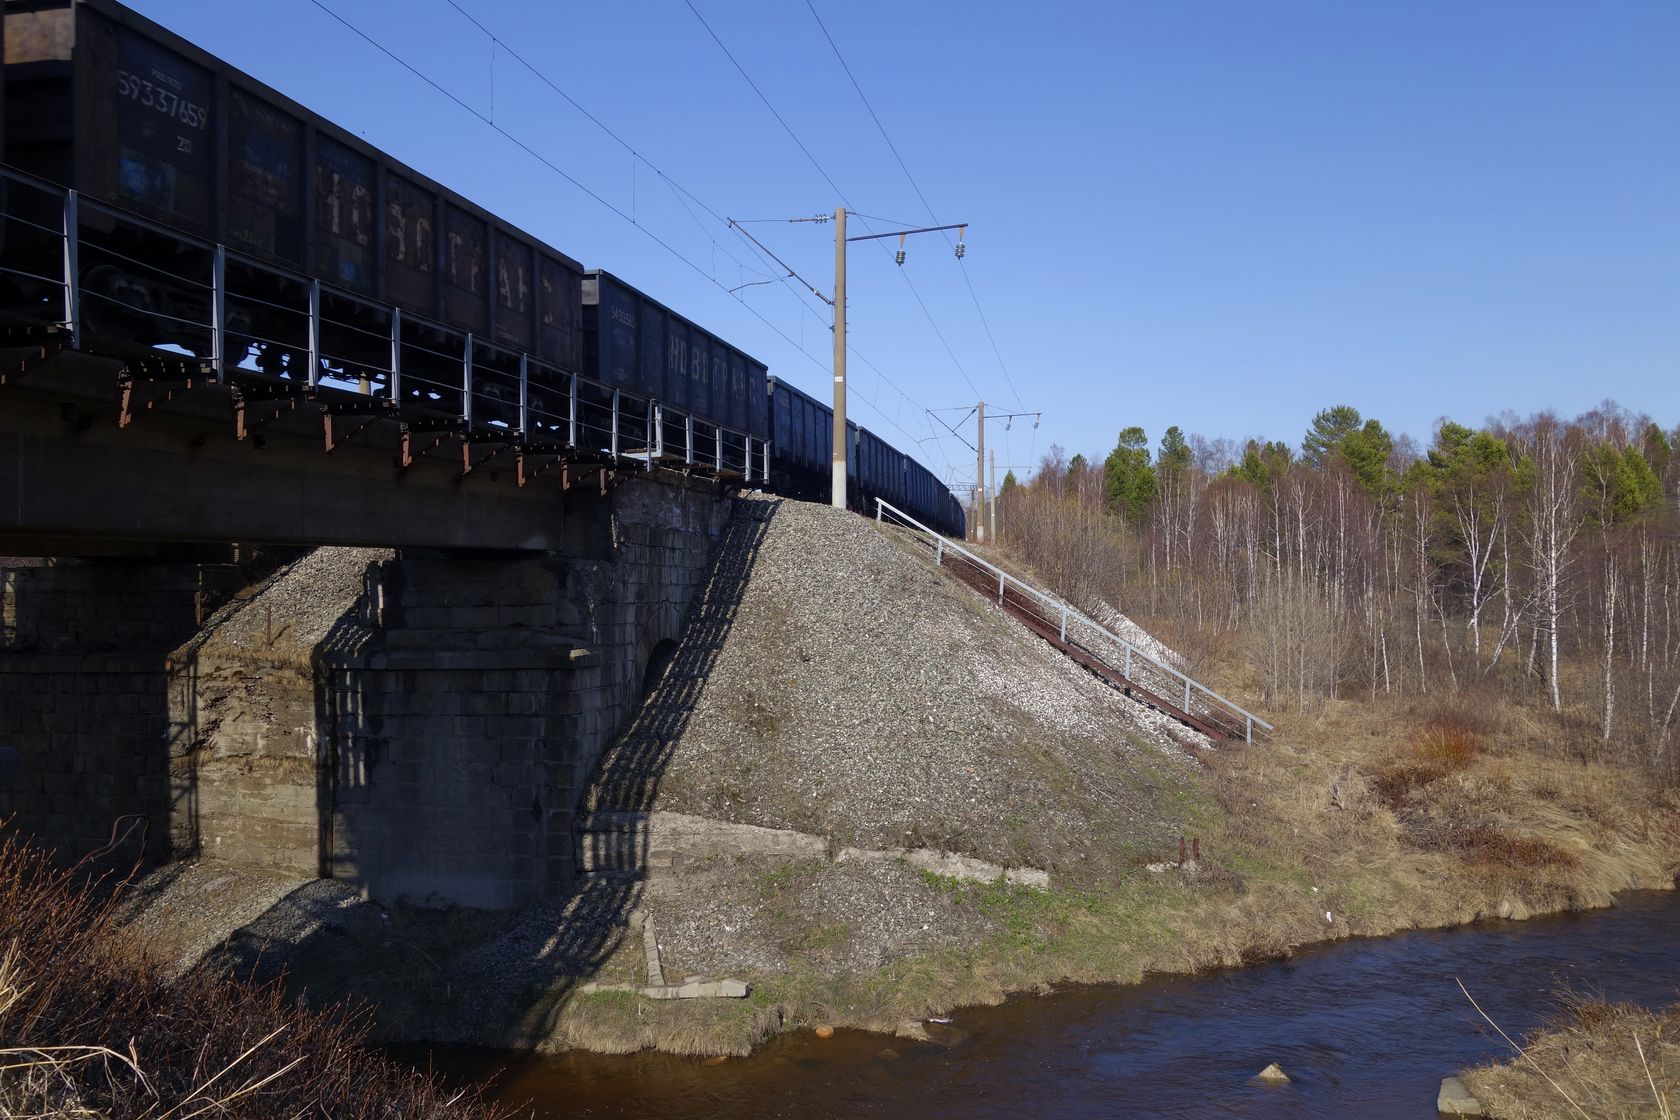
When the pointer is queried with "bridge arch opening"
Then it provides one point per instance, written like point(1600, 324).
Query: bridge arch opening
point(655, 668)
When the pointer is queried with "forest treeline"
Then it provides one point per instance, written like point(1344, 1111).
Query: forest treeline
point(1535, 555)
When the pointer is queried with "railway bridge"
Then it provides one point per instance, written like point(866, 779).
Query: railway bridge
point(429, 738)
point(232, 332)
point(419, 721)
point(270, 408)
point(532, 541)
point(229, 327)
point(516, 546)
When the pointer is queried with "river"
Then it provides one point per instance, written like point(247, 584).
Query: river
point(1366, 1028)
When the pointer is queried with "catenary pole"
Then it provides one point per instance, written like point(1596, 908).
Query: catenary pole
point(980, 477)
point(980, 512)
point(991, 503)
point(840, 448)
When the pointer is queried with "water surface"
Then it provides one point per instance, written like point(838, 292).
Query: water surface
point(1365, 1028)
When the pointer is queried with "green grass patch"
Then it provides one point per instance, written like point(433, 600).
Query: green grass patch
point(605, 1001)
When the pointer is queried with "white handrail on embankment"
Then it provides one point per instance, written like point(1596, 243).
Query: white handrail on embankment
point(1067, 614)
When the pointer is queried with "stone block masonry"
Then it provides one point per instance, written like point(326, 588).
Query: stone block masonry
point(425, 723)
point(84, 714)
point(243, 767)
point(97, 606)
point(421, 724)
point(458, 733)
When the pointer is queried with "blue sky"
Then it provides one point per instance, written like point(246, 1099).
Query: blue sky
point(1218, 215)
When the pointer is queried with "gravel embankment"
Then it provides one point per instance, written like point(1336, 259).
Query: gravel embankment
point(182, 912)
point(752, 917)
point(853, 691)
point(289, 615)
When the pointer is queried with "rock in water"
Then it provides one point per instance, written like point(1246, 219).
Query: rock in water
point(1455, 1100)
point(912, 1029)
point(1273, 1075)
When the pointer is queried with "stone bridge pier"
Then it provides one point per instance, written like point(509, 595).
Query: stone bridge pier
point(84, 698)
point(430, 746)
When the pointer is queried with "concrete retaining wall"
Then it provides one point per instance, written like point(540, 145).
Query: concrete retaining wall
point(663, 842)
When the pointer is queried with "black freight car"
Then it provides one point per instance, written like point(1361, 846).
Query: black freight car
point(291, 222)
point(924, 491)
point(802, 443)
point(877, 466)
point(690, 396)
point(802, 456)
point(212, 216)
point(802, 447)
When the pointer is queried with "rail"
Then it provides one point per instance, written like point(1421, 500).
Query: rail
point(1159, 681)
point(109, 280)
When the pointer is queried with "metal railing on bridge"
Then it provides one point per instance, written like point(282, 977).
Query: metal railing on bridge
point(179, 309)
point(1123, 663)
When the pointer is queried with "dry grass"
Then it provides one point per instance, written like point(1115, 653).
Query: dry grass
point(90, 1028)
point(1443, 746)
point(1311, 825)
point(1448, 741)
point(1599, 1060)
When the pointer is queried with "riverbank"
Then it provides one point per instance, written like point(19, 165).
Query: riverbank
point(1364, 823)
point(1347, 827)
point(1600, 1059)
point(1364, 1028)
point(838, 718)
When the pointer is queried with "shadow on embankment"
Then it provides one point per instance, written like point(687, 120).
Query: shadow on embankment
point(477, 977)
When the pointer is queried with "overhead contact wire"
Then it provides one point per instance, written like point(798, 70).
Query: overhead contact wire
point(678, 190)
point(962, 266)
point(546, 162)
point(829, 179)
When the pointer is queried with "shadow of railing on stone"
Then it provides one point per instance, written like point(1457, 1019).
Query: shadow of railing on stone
point(627, 780)
point(596, 915)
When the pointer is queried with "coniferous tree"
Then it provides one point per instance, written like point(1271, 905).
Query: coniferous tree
point(1329, 428)
point(1175, 452)
point(1367, 451)
point(1128, 478)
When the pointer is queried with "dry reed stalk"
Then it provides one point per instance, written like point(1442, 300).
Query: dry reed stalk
point(1520, 1051)
point(1663, 1112)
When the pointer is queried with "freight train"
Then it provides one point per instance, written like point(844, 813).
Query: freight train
point(215, 218)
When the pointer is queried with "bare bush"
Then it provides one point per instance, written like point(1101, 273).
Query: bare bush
point(89, 1027)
